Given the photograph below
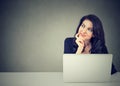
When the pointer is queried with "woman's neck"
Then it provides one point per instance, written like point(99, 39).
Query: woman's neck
point(87, 47)
point(87, 43)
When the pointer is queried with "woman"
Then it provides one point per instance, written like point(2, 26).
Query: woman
point(88, 39)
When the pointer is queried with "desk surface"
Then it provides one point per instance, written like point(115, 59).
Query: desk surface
point(47, 79)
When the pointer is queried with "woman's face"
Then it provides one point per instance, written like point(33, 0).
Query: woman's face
point(86, 30)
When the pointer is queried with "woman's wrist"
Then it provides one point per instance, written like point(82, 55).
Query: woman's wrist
point(79, 50)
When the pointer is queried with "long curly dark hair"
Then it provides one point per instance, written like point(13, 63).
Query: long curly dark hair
point(98, 41)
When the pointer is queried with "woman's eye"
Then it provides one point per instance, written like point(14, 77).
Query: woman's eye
point(83, 25)
point(90, 30)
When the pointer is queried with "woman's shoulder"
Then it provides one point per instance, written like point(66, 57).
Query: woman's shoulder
point(98, 46)
point(69, 45)
point(69, 39)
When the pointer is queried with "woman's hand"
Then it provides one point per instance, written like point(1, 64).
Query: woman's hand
point(79, 41)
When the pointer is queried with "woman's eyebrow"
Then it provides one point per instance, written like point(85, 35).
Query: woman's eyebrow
point(90, 27)
point(83, 24)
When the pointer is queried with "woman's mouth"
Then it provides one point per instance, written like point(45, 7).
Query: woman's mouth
point(83, 35)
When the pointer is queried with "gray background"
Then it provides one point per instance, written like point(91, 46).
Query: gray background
point(32, 32)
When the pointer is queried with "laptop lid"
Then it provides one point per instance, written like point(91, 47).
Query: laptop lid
point(87, 67)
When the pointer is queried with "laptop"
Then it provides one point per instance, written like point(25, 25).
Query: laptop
point(87, 67)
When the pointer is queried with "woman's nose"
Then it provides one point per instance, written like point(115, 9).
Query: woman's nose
point(84, 30)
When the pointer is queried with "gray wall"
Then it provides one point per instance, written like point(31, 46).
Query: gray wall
point(32, 32)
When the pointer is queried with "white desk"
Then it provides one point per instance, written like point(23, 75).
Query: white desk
point(46, 79)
